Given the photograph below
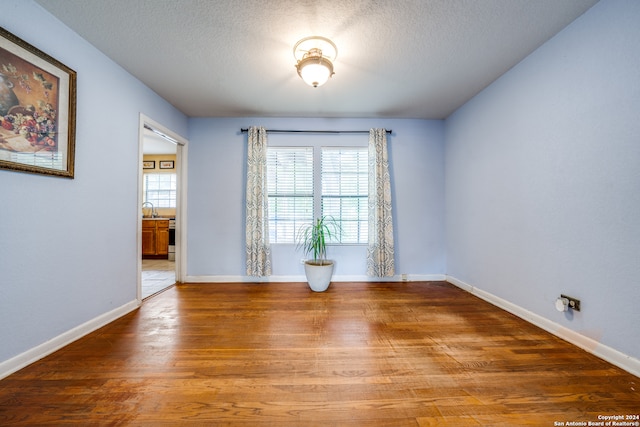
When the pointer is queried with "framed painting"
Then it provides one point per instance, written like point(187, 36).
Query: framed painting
point(166, 164)
point(149, 164)
point(37, 110)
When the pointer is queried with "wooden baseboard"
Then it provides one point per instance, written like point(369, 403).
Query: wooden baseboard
point(302, 278)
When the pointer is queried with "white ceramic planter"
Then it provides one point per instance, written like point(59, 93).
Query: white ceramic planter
point(318, 276)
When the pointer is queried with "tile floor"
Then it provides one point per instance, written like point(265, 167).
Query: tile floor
point(157, 275)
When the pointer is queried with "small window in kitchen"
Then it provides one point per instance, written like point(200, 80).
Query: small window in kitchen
point(160, 189)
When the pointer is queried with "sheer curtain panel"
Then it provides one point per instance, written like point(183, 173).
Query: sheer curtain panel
point(257, 227)
point(380, 252)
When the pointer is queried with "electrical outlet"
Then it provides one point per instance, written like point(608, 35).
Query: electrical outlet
point(573, 302)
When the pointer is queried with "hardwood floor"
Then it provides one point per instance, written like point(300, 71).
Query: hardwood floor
point(361, 354)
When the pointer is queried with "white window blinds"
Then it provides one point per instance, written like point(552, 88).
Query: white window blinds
point(345, 191)
point(341, 191)
point(290, 190)
point(160, 189)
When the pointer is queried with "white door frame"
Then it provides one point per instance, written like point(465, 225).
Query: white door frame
point(181, 201)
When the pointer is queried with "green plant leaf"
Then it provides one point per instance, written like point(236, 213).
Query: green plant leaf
point(312, 238)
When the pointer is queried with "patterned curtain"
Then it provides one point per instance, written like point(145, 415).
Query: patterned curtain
point(380, 253)
point(257, 227)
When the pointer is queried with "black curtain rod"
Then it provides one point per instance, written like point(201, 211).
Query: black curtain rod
point(314, 131)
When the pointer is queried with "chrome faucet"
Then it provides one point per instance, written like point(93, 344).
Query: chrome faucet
point(153, 210)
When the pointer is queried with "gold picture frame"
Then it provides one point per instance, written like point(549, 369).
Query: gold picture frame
point(37, 110)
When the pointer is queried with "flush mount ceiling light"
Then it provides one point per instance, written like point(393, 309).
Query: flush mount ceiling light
point(315, 55)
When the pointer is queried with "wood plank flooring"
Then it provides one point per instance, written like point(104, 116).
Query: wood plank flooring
point(361, 354)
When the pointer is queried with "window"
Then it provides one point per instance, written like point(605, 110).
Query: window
point(160, 189)
point(290, 191)
point(340, 190)
point(345, 189)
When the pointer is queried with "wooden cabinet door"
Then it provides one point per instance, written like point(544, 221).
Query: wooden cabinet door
point(162, 237)
point(148, 241)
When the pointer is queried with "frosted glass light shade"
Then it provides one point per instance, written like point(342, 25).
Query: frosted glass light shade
point(314, 57)
point(315, 71)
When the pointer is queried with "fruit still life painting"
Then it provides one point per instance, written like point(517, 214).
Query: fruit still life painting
point(28, 106)
point(37, 110)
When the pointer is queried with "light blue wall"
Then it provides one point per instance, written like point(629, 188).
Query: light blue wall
point(217, 153)
point(68, 247)
point(543, 179)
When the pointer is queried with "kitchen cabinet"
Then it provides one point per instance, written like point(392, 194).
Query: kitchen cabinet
point(155, 238)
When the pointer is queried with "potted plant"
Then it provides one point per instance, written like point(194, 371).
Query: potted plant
point(312, 239)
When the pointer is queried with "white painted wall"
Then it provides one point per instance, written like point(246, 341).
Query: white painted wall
point(543, 180)
point(68, 247)
point(217, 176)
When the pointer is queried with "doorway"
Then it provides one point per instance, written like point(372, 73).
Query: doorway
point(160, 207)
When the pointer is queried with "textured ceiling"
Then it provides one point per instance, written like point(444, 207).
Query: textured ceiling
point(396, 58)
